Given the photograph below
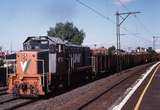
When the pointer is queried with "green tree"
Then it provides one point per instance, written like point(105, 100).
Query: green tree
point(150, 50)
point(1, 62)
point(111, 50)
point(67, 31)
point(1, 58)
point(152, 53)
point(0, 48)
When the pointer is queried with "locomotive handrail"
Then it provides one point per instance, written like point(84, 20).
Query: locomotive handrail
point(43, 73)
point(7, 68)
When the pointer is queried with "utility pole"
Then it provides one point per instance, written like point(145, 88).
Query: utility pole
point(119, 22)
point(154, 41)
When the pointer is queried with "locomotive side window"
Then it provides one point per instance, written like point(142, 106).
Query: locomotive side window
point(44, 42)
point(36, 47)
point(52, 48)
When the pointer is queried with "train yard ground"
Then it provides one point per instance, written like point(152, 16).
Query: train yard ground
point(114, 92)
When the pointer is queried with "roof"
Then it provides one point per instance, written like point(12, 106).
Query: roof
point(28, 38)
point(2, 54)
point(56, 40)
point(101, 50)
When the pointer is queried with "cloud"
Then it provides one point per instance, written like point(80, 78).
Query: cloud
point(118, 2)
point(60, 9)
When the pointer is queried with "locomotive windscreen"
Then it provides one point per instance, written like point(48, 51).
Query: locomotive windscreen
point(36, 44)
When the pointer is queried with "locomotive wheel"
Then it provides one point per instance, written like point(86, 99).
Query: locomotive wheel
point(16, 90)
point(25, 87)
point(33, 91)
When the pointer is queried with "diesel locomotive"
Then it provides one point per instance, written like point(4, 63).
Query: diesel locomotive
point(46, 63)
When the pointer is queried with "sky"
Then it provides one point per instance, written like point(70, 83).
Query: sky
point(22, 18)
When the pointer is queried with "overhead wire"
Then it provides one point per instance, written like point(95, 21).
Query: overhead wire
point(136, 17)
point(109, 19)
point(95, 11)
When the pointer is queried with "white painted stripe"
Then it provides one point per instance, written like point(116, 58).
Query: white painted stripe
point(132, 89)
point(145, 89)
point(23, 65)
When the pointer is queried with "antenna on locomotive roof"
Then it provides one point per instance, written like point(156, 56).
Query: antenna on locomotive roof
point(11, 47)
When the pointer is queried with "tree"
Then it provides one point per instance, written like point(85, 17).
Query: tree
point(1, 58)
point(1, 62)
point(0, 48)
point(152, 53)
point(150, 50)
point(67, 31)
point(111, 50)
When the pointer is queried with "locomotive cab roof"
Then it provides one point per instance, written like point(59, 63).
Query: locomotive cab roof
point(41, 42)
point(44, 42)
point(55, 40)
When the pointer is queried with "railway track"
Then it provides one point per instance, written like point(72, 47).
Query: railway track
point(104, 92)
point(3, 90)
point(92, 103)
point(11, 102)
point(7, 98)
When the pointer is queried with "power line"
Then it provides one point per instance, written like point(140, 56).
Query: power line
point(144, 27)
point(108, 18)
point(123, 5)
point(95, 11)
point(137, 18)
point(133, 34)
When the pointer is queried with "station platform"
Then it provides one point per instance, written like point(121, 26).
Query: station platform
point(147, 96)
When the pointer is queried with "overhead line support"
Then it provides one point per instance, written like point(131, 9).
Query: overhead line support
point(119, 22)
point(154, 41)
